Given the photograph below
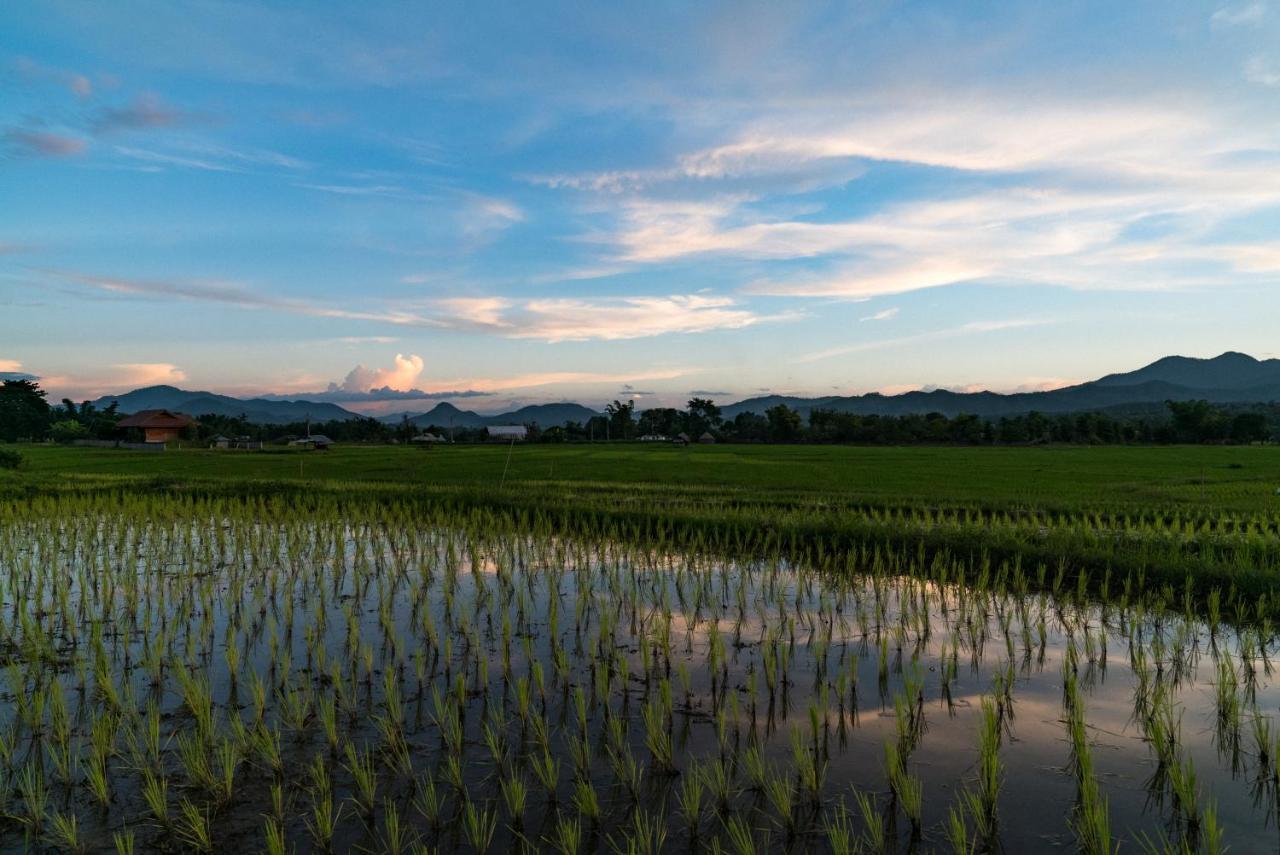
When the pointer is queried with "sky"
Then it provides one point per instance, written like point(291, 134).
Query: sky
point(389, 204)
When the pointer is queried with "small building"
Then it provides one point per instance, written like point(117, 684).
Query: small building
point(507, 432)
point(316, 442)
point(707, 439)
point(241, 442)
point(680, 439)
point(654, 437)
point(158, 425)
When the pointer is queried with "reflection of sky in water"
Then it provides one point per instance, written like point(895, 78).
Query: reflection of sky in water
point(1038, 792)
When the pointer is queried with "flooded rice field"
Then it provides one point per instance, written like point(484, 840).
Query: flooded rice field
point(331, 684)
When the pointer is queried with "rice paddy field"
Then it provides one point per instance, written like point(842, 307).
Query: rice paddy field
point(418, 660)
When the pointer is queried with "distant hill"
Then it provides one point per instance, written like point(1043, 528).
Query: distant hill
point(546, 415)
point(1232, 378)
point(257, 410)
point(1229, 371)
point(1229, 378)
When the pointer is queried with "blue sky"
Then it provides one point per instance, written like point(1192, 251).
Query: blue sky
point(389, 203)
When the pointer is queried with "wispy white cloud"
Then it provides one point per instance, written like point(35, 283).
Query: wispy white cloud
point(601, 318)
point(882, 315)
point(534, 380)
point(483, 216)
point(386, 191)
point(1262, 70)
point(1239, 14)
point(163, 159)
point(1060, 191)
point(877, 279)
point(631, 317)
point(974, 328)
point(1257, 258)
point(545, 319)
point(366, 339)
point(484, 312)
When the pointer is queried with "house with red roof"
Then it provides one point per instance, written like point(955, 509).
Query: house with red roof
point(158, 425)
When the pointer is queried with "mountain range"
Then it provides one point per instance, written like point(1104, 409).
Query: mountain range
point(445, 415)
point(1229, 378)
point(256, 410)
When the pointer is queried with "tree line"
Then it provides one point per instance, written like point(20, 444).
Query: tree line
point(26, 415)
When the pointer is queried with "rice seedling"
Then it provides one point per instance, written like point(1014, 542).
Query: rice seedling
point(646, 835)
point(64, 832)
point(989, 773)
point(275, 843)
point(567, 836)
point(192, 827)
point(908, 791)
point(357, 645)
point(364, 774)
point(429, 803)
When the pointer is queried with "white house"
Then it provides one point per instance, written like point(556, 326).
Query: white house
point(507, 432)
point(315, 441)
point(427, 438)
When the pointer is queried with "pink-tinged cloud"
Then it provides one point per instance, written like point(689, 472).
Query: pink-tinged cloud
point(122, 376)
point(44, 143)
point(401, 377)
point(143, 113)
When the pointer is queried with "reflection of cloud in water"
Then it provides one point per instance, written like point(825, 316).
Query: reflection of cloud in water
point(797, 609)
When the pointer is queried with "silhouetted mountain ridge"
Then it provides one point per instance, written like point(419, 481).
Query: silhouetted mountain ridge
point(256, 410)
point(447, 415)
point(1229, 378)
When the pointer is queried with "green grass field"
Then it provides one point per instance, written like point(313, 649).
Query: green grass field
point(1204, 477)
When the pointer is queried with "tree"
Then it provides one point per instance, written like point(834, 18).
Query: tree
point(784, 423)
point(1250, 427)
point(597, 427)
point(661, 421)
point(67, 430)
point(1195, 421)
point(750, 427)
point(24, 412)
point(99, 424)
point(406, 430)
point(621, 422)
point(702, 415)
